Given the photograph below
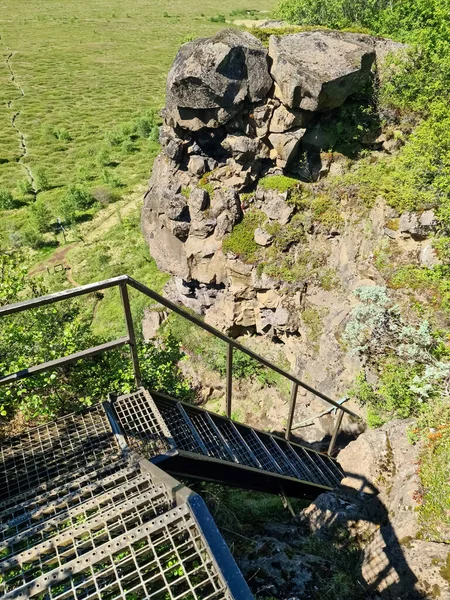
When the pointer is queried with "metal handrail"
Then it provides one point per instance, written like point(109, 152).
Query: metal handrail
point(123, 281)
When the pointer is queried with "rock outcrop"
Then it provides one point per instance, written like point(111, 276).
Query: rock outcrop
point(236, 113)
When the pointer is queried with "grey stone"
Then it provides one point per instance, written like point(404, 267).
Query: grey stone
point(175, 206)
point(198, 199)
point(428, 257)
point(418, 226)
point(242, 148)
point(151, 323)
point(262, 238)
point(319, 70)
point(286, 145)
point(211, 78)
point(197, 165)
point(274, 205)
point(284, 119)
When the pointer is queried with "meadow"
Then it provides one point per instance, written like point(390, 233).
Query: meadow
point(89, 80)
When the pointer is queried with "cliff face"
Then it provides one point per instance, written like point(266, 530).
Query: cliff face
point(249, 247)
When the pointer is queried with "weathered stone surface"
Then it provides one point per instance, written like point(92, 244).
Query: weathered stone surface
point(286, 145)
point(274, 205)
point(151, 323)
point(197, 165)
point(245, 149)
point(262, 237)
point(211, 78)
point(428, 257)
point(318, 70)
point(284, 119)
point(418, 225)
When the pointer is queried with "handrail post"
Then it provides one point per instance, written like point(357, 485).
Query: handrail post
point(131, 335)
point(229, 389)
point(335, 432)
point(294, 391)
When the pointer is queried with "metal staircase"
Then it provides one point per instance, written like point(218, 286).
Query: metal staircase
point(79, 519)
point(197, 443)
point(88, 510)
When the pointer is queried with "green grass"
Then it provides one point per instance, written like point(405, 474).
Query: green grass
point(88, 71)
point(122, 250)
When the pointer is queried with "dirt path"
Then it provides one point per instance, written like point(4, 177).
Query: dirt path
point(91, 233)
point(15, 116)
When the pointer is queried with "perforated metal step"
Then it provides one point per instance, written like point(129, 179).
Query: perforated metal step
point(195, 431)
point(123, 530)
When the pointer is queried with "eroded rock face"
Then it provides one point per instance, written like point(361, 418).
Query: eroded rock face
point(212, 78)
point(228, 122)
point(318, 70)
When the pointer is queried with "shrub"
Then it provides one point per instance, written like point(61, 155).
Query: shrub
point(42, 216)
point(41, 180)
point(7, 201)
point(218, 19)
point(32, 237)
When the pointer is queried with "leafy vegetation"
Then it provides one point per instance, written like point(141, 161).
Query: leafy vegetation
point(58, 330)
point(241, 240)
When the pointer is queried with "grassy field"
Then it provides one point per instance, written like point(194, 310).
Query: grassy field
point(85, 73)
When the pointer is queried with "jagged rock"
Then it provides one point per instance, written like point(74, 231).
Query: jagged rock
point(274, 205)
point(175, 206)
point(151, 323)
point(284, 119)
point(201, 227)
point(277, 569)
point(245, 149)
point(286, 145)
point(225, 200)
point(318, 70)
point(428, 257)
point(418, 226)
point(197, 165)
point(261, 116)
point(198, 199)
point(211, 78)
point(262, 238)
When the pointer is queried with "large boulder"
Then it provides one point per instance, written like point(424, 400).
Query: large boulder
point(211, 78)
point(318, 70)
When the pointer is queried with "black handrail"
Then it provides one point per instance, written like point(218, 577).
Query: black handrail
point(123, 281)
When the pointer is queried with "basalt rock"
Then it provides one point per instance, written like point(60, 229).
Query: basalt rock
point(235, 113)
point(318, 70)
point(212, 78)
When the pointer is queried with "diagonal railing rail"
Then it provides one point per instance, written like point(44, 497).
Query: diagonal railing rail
point(124, 282)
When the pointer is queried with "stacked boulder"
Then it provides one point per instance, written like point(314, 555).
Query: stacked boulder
point(235, 112)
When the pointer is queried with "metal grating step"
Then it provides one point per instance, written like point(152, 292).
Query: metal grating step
point(180, 427)
point(55, 451)
point(193, 430)
point(71, 517)
point(162, 558)
point(214, 444)
point(238, 445)
point(24, 512)
point(142, 423)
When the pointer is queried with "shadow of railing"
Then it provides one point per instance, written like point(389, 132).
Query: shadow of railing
point(385, 570)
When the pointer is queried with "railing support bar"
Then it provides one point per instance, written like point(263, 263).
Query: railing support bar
point(294, 392)
point(229, 379)
point(131, 335)
point(335, 432)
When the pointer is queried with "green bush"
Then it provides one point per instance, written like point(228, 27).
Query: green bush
point(7, 201)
